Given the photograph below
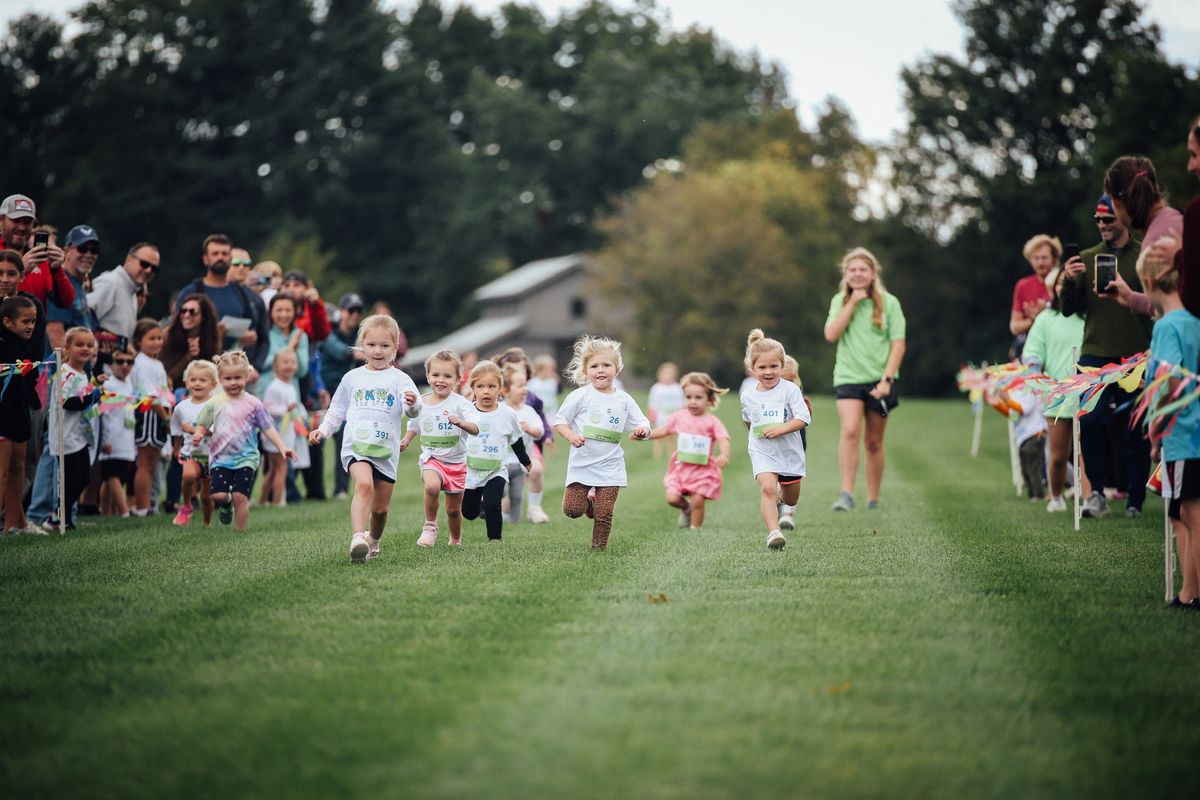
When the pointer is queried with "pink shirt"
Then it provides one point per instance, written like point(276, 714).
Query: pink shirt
point(684, 421)
point(1030, 289)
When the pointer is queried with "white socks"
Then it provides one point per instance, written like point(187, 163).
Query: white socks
point(535, 499)
point(786, 509)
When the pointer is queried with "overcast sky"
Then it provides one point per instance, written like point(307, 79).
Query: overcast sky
point(853, 49)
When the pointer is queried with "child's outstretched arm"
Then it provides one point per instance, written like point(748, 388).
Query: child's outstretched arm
point(661, 432)
point(274, 438)
point(335, 415)
point(791, 426)
point(412, 404)
point(462, 424)
point(199, 434)
point(564, 430)
point(721, 453)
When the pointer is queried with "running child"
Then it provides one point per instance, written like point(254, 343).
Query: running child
point(774, 412)
point(77, 394)
point(443, 432)
point(200, 378)
point(666, 397)
point(233, 418)
point(282, 401)
point(118, 448)
point(592, 418)
point(149, 379)
point(18, 315)
point(370, 399)
point(544, 384)
point(516, 389)
point(515, 357)
point(498, 430)
point(694, 472)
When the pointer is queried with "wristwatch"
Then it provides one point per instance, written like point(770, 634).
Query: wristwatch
point(889, 379)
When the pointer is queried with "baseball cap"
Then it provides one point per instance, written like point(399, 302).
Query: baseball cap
point(80, 234)
point(295, 275)
point(1104, 206)
point(350, 300)
point(18, 205)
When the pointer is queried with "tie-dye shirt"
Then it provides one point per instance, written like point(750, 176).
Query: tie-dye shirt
point(234, 424)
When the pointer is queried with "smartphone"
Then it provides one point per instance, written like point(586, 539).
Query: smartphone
point(41, 238)
point(1070, 250)
point(1106, 272)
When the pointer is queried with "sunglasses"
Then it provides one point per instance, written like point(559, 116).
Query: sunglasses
point(123, 362)
point(85, 249)
point(1105, 220)
point(240, 262)
point(147, 265)
point(189, 311)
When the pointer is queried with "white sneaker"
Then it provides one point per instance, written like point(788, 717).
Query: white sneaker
point(537, 516)
point(1095, 505)
point(359, 547)
point(1056, 504)
point(775, 540)
point(428, 534)
point(787, 522)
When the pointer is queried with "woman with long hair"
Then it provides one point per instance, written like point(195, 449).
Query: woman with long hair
point(193, 333)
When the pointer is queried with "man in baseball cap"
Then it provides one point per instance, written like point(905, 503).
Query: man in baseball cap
point(44, 278)
point(83, 251)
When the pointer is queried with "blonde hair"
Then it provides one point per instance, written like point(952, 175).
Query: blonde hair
point(483, 369)
point(269, 268)
point(794, 366)
point(544, 362)
point(232, 360)
point(75, 332)
point(450, 357)
point(1043, 239)
point(379, 322)
point(284, 351)
point(710, 387)
point(1153, 269)
point(201, 365)
point(877, 287)
point(513, 368)
point(587, 347)
point(758, 345)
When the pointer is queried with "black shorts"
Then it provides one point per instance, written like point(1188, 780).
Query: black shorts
point(379, 476)
point(149, 430)
point(15, 425)
point(785, 480)
point(862, 391)
point(225, 480)
point(1183, 478)
point(117, 468)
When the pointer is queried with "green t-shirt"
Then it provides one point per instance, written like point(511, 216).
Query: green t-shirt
point(863, 349)
point(1049, 343)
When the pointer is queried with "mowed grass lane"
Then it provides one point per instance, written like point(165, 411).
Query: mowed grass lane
point(959, 641)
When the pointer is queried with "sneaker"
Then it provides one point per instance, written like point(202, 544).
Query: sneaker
point(340, 495)
point(872, 505)
point(775, 540)
point(1133, 512)
point(49, 525)
point(184, 515)
point(372, 548)
point(429, 534)
point(537, 516)
point(844, 502)
point(1056, 505)
point(685, 515)
point(359, 547)
point(787, 522)
point(1095, 505)
point(225, 512)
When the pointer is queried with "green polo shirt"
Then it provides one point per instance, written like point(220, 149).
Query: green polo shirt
point(863, 349)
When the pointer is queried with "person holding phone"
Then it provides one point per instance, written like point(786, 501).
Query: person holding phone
point(1111, 332)
point(43, 258)
point(868, 326)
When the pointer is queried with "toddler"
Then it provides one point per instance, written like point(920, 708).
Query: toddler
point(694, 472)
point(118, 449)
point(200, 378)
point(498, 431)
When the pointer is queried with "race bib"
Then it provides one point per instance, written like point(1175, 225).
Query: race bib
point(693, 448)
point(604, 424)
point(767, 415)
point(438, 431)
point(482, 454)
point(371, 440)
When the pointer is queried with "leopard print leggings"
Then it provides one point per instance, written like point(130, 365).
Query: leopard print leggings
point(575, 505)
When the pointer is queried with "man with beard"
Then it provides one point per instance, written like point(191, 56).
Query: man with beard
point(82, 252)
point(234, 301)
point(43, 264)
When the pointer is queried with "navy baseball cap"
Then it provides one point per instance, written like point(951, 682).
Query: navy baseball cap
point(80, 234)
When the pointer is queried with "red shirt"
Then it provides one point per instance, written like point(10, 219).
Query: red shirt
point(47, 285)
point(314, 321)
point(1030, 289)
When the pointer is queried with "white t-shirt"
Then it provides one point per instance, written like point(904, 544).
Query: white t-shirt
point(117, 423)
point(546, 390)
point(370, 402)
point(782, 403)
point(530, 417)
point(149, 377)
point(185, 413)
point(600, 418)
point(276, 398)
point(487, 450)
point(665, 399)
point(438, 437)
point(77, 431)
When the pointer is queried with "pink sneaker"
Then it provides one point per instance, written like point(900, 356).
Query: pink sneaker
point(428, 534)
point(372, 548)
point(184, 515)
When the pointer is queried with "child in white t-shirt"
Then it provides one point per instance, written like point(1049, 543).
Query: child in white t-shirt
point(593, 418)
point(666, 397)
point(118, 450)
point(282, 401)
point(498, 431)
point(77, 395)
point(775, 413)
point(200, 378)
point(544, 384)
point(516, 389)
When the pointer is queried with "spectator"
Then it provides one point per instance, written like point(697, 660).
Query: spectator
point(310, 309)
point(1030, 296)
point(82, 252)
point(1141, 205)
point(193, 332)
point(339, 355)
point(113, 299)
point(239, 265)
point(270, 277)
point(1110, 334)
point(233, 301)
point(43, 279)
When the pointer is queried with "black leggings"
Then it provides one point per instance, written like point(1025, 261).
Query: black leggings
point(488, 496)
point(77, 470)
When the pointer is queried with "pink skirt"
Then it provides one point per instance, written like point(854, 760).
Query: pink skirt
point(453, 476)
point(701, 479)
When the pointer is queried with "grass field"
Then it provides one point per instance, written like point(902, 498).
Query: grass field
point(960, 642)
